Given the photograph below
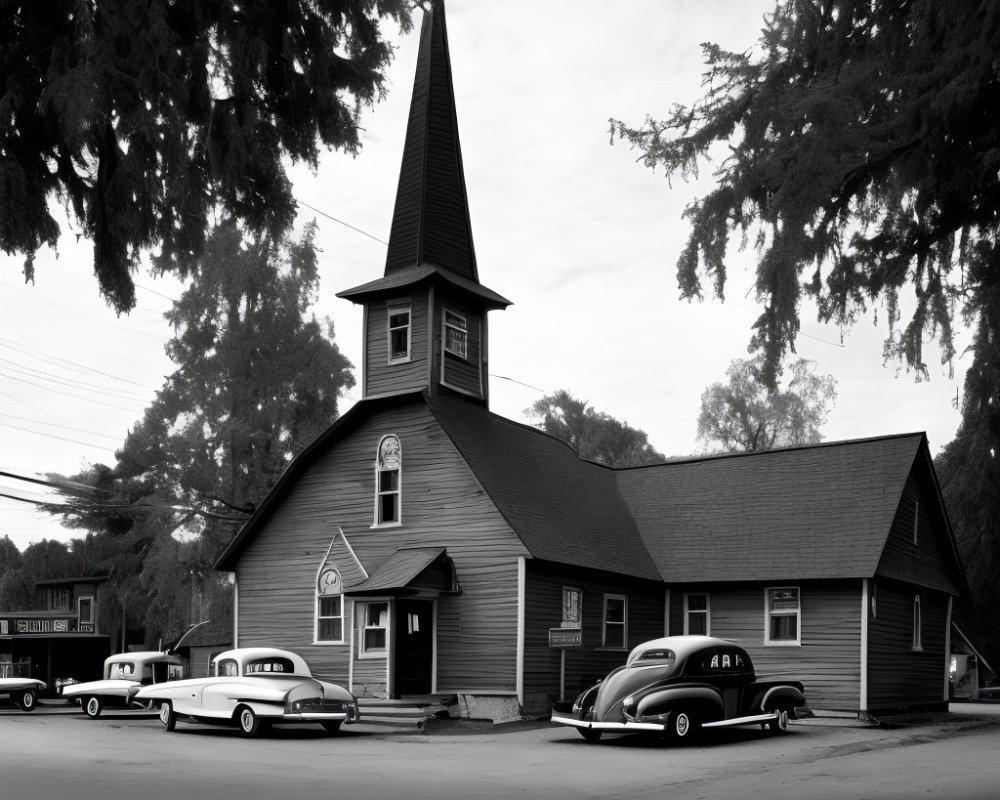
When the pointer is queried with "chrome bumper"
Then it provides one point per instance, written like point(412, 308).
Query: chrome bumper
point(656, 726)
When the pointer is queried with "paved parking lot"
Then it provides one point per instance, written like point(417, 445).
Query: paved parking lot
point(59, 753)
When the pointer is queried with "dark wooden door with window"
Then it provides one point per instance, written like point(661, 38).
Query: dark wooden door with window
point(414, 647)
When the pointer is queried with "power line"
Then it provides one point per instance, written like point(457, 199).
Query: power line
point(341, 222)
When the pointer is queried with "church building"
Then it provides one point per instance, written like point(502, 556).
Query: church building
point(423, 545)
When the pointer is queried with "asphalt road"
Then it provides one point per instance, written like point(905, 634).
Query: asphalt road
point(53, 754)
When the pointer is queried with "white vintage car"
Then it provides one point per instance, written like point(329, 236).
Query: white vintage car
point(124, 673)
point(253, 688)
point(23, 691)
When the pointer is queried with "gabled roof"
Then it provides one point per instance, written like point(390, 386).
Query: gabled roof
point(563, 509)
point(823, 511)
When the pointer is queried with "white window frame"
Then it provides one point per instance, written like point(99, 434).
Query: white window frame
point(623, 625)
point(769, 613)
point(397, 309)
point(916, 633)
point(571, 606)
point(329, 590)
point(383, 465)
point(706, 611)
point(363, 606)
point(458, 325)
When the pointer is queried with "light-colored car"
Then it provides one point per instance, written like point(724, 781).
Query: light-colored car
point(253, 688)
point(22, 691)
point(124, 673)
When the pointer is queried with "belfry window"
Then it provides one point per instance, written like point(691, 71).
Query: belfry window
point(387, 481)
point(399, 333)
point(456, 334)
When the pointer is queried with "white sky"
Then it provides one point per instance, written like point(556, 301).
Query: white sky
point(581, 238)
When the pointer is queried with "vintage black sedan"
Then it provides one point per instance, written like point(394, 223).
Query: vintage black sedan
point(679, 685)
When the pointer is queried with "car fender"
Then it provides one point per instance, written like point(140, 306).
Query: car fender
point(782, 695)
point(261, 708)
point(680, 695)
point(109, 687)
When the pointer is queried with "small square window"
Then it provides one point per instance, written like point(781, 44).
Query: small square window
point(782, 614)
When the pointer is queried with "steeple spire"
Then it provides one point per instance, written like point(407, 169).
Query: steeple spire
point(430, 222)
point(431, 235)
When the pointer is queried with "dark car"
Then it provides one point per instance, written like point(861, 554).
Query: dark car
point(678, 685)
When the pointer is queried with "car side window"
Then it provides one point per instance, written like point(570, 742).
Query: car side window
point(227, 669)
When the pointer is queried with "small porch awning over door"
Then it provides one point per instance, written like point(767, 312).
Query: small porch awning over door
point(411, 570)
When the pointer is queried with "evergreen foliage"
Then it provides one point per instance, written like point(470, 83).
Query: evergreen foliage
point(257, 379)
point(144, 116)
point(862, 160)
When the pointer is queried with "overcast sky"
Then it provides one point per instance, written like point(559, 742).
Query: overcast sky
point(579, 236)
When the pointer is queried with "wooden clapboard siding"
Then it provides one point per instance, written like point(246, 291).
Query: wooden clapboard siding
point(383, 377)
point(442, 505)
point(828, 660)
point(928, 561)
point(370, 677)
point(590, 662)
point(898, 675)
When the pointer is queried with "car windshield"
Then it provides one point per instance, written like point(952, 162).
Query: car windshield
point(272, 666)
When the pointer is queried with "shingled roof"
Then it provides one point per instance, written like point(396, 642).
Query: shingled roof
point(813, 512)
point(562, 508)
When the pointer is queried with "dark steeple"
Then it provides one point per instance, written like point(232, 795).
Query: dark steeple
point(431, 235)
point(430, 223)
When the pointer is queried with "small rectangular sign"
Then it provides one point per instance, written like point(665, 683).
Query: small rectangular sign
point(565, 637)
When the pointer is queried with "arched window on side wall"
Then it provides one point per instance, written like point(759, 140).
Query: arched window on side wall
point(388, 481)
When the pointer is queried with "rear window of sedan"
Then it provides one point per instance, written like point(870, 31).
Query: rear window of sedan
point(282, 666)
point(660, 655)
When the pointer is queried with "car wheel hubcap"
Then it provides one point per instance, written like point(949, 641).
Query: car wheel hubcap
point(164, 713)
point(92, 707)
point(682, 725)
point(247, 719)
point(28, 700)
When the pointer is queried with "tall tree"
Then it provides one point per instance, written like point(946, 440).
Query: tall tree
point(745, 415)
point(144, 116)
point(258, 378)
point(862, 160)
point(595, 436)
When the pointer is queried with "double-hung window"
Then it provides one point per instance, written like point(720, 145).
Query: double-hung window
point(387, 481)
point(399, 333)
point(782, 613)
point(374, 628)
point(330, 607)
point(696, 614)
point(615, 633)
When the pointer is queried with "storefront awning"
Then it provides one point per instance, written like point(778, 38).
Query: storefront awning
point(427, 570)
